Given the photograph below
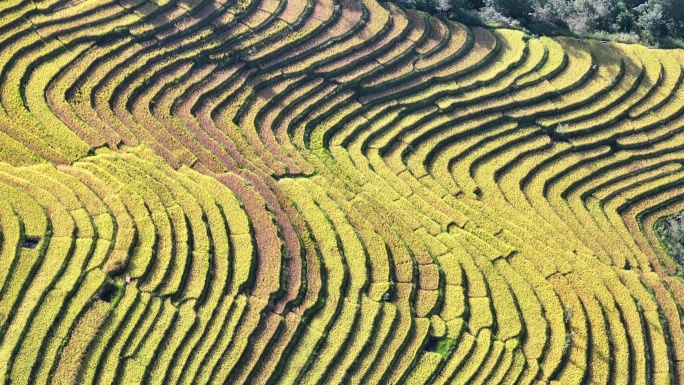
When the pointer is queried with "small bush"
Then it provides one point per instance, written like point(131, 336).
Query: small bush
point(670, 231)
point(441, 346)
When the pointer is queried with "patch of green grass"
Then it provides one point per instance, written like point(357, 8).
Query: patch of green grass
point(441, 346)
point(446, 346)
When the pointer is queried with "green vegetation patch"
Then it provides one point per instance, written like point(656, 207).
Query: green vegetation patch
point(441, 346)
point(670, 232)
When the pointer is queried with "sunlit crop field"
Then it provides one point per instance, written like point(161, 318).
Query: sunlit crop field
point(331, 192)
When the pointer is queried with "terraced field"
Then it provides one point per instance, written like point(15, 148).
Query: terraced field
point(331, 191)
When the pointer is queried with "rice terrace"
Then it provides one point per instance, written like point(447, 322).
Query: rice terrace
point(333, 192)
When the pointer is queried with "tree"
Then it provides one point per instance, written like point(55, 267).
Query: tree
point(518, 9)
point(443, 5)
point(551, 11)
point(651, 18)
point(625, 21)
point(673, 16)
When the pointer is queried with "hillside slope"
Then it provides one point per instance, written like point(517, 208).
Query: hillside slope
point(328, 191)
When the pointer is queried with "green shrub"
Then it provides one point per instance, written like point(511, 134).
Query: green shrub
point(670, 231)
